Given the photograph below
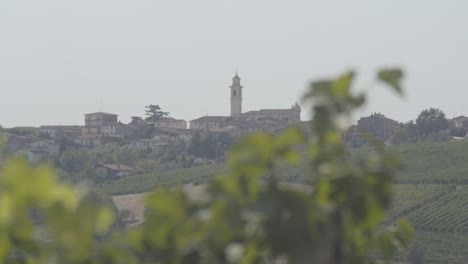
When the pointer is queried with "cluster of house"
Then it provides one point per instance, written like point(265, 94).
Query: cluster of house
point(459, 122)
point(380, 126)
point(383, 127)
point(100, 128)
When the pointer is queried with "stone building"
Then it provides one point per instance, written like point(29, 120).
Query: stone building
point(156, 145)
point(287, 115)
point(170, 122)
point(34, 155)
point(16, 142)
point(60, 131)
point(212, 123)
point(52, 147)
point(100, 124)
point(87, 141)
point(457, 122)
point(378, 125)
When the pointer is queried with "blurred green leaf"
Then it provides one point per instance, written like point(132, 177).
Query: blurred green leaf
point(342, 85)
point(392, 77)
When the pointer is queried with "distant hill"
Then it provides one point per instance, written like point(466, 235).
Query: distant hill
point(432, 192)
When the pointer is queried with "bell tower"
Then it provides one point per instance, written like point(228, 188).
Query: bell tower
point(236, 96)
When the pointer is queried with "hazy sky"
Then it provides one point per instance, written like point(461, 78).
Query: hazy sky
point(60, 59)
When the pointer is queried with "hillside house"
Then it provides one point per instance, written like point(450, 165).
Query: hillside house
point(100, 124)
point(285, 115)
point(460, 121)
point(156, 145)
point(211, 123)
point(127, 130)
point(87, 141)
point(114, 170)
point(15, 142)
point(50, 146)
point(60, 131)
point(34, 155)
point(378, 125)
point(172, 134)
point(171, 123)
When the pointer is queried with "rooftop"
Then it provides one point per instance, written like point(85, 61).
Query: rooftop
point(460, 118)
point(169, 119)
point(61, 127)
point(212, 119)
point(100, 113)
point(268, 112)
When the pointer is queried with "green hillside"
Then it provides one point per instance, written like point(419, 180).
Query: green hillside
point(430, 192)
point(429, 163)
point(438, 162)
point(148, 182)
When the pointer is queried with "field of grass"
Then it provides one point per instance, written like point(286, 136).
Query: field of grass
point(438, 162)
point(148, 182)
point(430, 162)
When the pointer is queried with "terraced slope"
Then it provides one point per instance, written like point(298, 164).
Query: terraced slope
point(443, 248)
point(449, 214)
point(410, 197)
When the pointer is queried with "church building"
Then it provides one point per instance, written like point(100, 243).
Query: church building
point(263, 119)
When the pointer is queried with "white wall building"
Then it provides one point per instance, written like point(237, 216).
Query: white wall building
point(156, 145)
point(171, 123)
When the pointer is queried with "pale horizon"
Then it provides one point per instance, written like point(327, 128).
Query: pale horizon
point(60, 59)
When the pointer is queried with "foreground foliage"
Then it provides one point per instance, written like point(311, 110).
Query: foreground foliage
point(246, 216)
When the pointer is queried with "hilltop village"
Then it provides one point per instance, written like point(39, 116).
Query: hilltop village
point(161, 140)
point(158, 133)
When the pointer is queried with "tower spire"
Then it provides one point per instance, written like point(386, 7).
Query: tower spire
point(236, 96)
